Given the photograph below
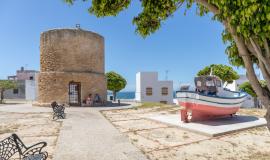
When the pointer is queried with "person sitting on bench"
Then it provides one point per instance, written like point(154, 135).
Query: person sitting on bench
point(97, 99)
point(89, 100)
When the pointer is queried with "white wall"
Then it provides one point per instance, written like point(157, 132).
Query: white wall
point(30, 89)
point(231, 86)
point(150, 79)
point(36, 84)
point(249, 102)
point(138, 87)
point(234, 86)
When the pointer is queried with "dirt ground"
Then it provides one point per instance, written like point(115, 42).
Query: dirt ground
point(31, 128)
point(160, 141)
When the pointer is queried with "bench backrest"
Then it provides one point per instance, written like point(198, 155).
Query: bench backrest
point(13, 145)
point(54, 104)
point(57, 108)
point(10, 146)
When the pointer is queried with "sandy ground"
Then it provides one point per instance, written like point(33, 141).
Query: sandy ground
point(160, 141)
point(31, 128)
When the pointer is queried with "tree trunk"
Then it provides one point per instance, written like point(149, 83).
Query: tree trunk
point(252, 77)
point(246, 56)
point(114, 96)
point(267, 116)
point(2, 96)
point(255, 100)
point(265, 74)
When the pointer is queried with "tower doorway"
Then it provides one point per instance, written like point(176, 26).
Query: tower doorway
point(75, 93)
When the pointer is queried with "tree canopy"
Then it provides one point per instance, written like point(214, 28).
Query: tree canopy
point(246, 87)
point(252, 15)
point(115, 82)
point(224, 72)
point(5, 85)
point(246, 29)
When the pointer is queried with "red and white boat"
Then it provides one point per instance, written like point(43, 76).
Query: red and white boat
point(208, 100)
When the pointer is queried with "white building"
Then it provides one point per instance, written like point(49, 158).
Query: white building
point(236, 83)
point(26, 85)
point(150, 89)
point(249, 103)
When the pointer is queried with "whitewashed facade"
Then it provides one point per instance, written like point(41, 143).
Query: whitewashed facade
point(236, 83)
point(150, 89)
point(26, 85)
point(249, 103)
point(30, 90)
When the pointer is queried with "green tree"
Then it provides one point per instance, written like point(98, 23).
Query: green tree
point(246, 87)
point(5, 85)
point(246, 29)
point(115, 83)
point(224, 72)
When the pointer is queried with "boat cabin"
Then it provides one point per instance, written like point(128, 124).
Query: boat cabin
point(208, 85)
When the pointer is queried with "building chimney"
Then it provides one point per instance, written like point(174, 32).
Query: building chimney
point(22, 69)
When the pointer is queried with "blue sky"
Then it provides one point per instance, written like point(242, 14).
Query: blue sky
point(184, 44)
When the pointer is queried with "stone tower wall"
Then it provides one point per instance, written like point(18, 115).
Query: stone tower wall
point(68, 55)
point(71, 50)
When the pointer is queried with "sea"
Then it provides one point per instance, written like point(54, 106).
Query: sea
point(124, 95)
point(128, 95)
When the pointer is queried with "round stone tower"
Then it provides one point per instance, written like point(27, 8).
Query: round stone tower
point(71, 66)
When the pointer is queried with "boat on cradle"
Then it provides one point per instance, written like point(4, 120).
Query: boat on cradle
point(208, 100)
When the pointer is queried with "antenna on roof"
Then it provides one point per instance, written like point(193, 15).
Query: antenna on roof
point(78, 26)
point(166, 74)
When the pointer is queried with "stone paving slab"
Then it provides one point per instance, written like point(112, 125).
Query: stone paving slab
point(212, 128)
point(87, 135)
point(24, 108)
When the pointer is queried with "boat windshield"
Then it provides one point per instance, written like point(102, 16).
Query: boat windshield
point(210, 83)
point(207, 84)
point(218, 83)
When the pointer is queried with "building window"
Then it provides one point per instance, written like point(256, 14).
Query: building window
point(163, 102)
point(164, 91)
point(31, 78)
point(15, 91)
point(149, 91)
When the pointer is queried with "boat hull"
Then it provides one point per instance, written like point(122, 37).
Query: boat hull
point(201, 107)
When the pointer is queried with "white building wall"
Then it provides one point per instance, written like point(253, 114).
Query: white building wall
point(231, 86)
point(30, 90)
point(36, 84)
point(249, 102)
point(150, 79)
point(236, 83)
point(138, 87)
point(169, 85)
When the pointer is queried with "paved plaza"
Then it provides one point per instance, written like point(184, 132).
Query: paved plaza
point(85, 134)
